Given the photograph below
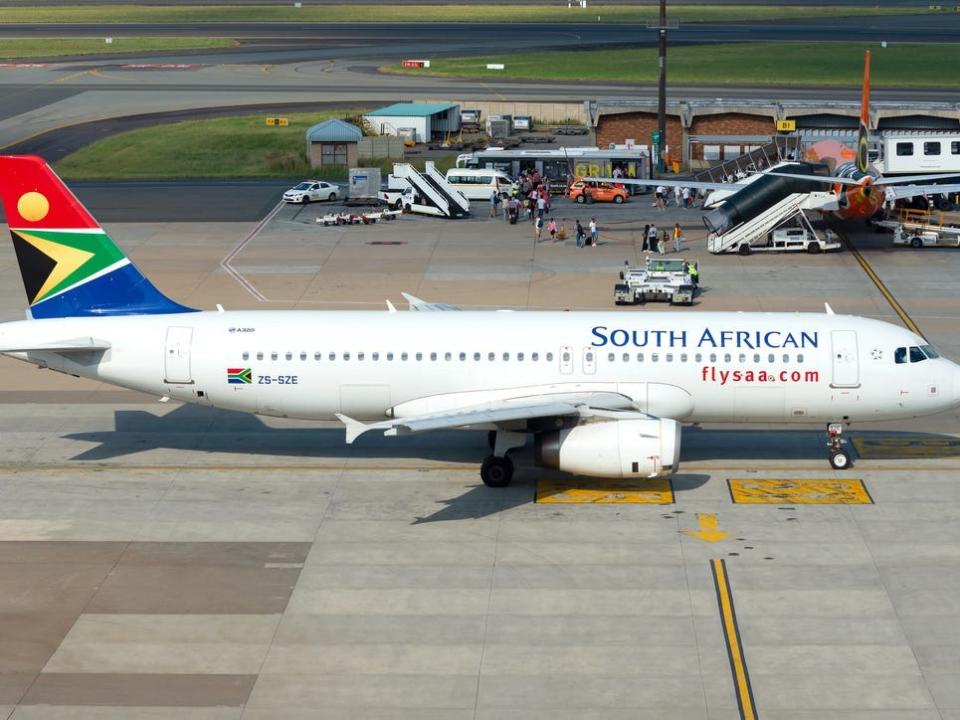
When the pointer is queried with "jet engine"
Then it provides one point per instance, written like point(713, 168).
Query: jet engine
point(613, 449)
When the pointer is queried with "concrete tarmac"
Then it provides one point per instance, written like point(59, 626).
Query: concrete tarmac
point(163, 561)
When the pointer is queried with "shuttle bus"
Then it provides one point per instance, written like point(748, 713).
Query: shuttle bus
point(556, 165)
point(914, 152)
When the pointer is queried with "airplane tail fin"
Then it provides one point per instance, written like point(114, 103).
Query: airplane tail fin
point(70, 266)
point(863, 136)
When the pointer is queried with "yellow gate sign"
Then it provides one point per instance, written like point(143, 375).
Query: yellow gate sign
point(786, 125)
point(278, 121)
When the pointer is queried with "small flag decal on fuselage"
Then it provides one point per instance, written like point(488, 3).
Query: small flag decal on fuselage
point(239, 376)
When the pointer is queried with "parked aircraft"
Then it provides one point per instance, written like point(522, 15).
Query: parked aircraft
point(602, 393)
point(860, 190)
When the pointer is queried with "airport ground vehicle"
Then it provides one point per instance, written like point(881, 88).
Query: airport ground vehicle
point(477, 183)
point(600, 393)
point(311, 190)
point(586, 190)
point(559, 164)
point(427, 193)
point(659, 279)
point(923, 228)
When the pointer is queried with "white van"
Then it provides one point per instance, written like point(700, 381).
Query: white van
point(477, 183)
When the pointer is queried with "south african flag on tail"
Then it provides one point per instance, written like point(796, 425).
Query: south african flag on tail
point(239, 376)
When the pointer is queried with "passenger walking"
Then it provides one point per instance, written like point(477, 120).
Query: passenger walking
point(538, 226)
point(594, 235)
point(652, 238)
point(662, 242)
point(494, 198)
point(661, 197)
point(541, 206)
point(505, 201)
point(677, 194)
point(552, 229)
point(686, 197)
point(646, 236)
point(677, 237)
point(580, 234)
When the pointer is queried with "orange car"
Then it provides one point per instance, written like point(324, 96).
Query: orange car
point(587, 190)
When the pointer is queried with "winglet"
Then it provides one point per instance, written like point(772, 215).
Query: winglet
point(355, 428)
point(390, 307)
point(424, 306)
point(827, 307)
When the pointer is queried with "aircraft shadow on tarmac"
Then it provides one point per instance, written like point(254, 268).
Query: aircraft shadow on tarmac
point(207, 430)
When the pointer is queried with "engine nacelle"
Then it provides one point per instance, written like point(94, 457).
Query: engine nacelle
point(613, 449)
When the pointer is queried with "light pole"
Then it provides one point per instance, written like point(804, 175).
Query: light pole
point(662, 86)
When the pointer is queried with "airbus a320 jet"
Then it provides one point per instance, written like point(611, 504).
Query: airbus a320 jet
point(602, 393)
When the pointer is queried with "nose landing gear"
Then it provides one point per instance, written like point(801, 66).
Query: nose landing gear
point(838, 456)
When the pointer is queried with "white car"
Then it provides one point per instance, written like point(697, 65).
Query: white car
point(310, 190)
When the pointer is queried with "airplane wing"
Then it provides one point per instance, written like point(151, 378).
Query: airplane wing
point(83, 344)
point(599, 404)
point(692, 184)
point(908, 191)
point(830, 180)
point(424, 306)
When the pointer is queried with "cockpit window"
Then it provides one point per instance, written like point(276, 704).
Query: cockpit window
point(900, 355)
point(929, 351)
point(916, 354)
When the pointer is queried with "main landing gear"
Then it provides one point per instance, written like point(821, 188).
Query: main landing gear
point(497, 468)
point(839, 458)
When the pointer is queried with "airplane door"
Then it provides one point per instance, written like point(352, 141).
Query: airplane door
point(566, 360)
point(846, 365)
point(176, 356)
point(589, 361)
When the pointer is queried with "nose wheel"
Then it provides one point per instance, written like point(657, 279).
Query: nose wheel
point(839, 457)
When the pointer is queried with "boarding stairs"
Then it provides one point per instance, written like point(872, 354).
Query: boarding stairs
point(755, 231)
point(434, 190)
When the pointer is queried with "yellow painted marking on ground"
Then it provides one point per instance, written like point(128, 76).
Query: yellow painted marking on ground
point(709, 529)
point(891, 448)
point(848, 491)
point(731, 635)
point(578, 491)
point(265, 69)
point(897, 307)
point(70, 76)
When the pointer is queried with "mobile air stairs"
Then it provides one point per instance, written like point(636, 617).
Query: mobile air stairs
point(756, 233)
point(434, 195)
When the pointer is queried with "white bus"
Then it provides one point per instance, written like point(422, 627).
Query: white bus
point(477, 184)
point(915, 152)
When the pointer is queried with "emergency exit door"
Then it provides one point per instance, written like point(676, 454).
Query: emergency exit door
point(846, 365)
point(176, 355)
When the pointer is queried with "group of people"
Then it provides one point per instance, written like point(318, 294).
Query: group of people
point(684, 197)
point(655, 240)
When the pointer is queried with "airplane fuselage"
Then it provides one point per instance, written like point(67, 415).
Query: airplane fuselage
point(716, 367)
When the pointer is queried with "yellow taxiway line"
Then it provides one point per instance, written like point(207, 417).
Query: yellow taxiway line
point(731, 636)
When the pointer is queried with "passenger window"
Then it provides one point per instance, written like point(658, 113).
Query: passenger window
point(359, 356)
point(433, 356)
point(566, 357)
point(611, 357)
point(259, 356)
point(639, 357)
point(375, 356)
point(756, 357)
point(289, 356)
point(448, 356)
point(303, 356)
point(419, 356)
point(800, 358)
point(904, 149)
point(246, 356)
point(955, 147)
point(317, 356)
point(463, 356)
point(332, 356)
point(389, 357)
point(550, 357)
point(506, 357)
point(654, 357)
point(476, 356)
point(713, 357)
point(404, 356)
point(786, 358)
point(743, 358)
point(626, 357)
point(698, 357)
point(931, 148)
point(535, 356)
point(273, 356)
point(727, 357)
point(520, 357)
point(346, 356)
point(491, 356)
point(916, 355)
point(683, 357)
point(771, 358)
point(669, 357)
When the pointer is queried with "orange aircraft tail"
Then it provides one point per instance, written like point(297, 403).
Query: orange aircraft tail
point(863, 135)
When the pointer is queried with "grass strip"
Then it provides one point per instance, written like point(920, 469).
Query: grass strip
point(234, 147)
point(104, 14)
point(816, 64)
point(18, 48)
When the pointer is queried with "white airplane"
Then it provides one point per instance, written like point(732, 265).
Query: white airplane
point(603, 393)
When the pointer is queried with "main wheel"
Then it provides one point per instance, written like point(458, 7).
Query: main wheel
point(839, 459)
point(618, 199)
point(916, 242)
point(744, 249)
point(496, 471)
point(581, 199)
point(305, 199)
point(331, 197)
point(813, 248)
